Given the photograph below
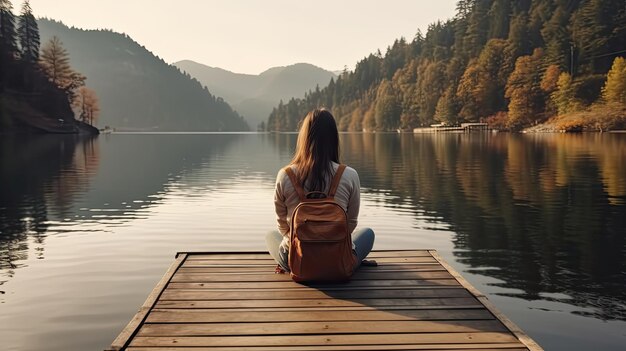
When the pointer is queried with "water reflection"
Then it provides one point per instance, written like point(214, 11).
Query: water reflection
point(60, 181)
point(37, 174)
point(545, 214)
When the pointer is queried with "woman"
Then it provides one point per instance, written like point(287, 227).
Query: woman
point(315, 162)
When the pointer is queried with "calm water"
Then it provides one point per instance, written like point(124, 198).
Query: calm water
point(87, 227)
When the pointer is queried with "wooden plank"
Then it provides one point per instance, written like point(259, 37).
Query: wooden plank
point(311, 340)
point(331, 309)
point(231, 256)
point(517, 331)
point(131, 328)
point(398, 253)
point(271, 261)
point(404, 347)
point(178, 294)
point(292, 285)
point(291, 328)
point(252, 269)
point(253, 256)
point(208, 316)
point(272, 277)
point(319, 303)
point(328, 290)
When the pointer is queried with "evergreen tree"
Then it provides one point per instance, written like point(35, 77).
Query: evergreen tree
point(8, 46)
point(598, 29)
point(499, 13)
point(28, 33)
point(8, 43)
point(478, 26)
point(463, 9)
point(518, 43)
point(556, 36)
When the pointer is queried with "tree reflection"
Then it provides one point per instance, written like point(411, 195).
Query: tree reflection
point(45, 179)
point(36, 173)
point(543, 213)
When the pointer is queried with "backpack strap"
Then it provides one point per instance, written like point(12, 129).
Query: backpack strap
point(335, 183)
point(295, 183)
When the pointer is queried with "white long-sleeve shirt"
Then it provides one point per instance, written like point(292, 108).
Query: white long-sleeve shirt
point(348, 196)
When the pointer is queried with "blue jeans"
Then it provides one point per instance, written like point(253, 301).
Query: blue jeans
point(363, 240)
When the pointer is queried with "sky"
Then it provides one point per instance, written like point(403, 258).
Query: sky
point(254, 35)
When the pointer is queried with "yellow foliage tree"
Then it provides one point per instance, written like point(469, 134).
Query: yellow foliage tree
point(86, 105)
point(615, 87)
point(523, 89)
point(563, 97)
point(549, 84)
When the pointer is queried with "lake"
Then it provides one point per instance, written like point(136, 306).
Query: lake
point(88, 226)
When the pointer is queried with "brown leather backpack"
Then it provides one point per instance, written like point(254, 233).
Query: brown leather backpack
point(321, 245)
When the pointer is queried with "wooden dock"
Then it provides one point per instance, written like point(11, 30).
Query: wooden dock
point(412, 300)
point(441, 128)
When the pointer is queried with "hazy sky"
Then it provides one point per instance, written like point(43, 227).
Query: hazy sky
point(251, 36)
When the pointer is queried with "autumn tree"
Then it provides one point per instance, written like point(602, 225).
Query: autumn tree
point(615, 87)
point(387, 109)
point(447, 108)
point(430, 85)
point(86, 105)
point(55, 63)
point(28, 33)
point(469, 92)
point(549, 84)
point(523, 90)
point(369, 122)
point(481, 87)
point(356, 120)
point(563, 97)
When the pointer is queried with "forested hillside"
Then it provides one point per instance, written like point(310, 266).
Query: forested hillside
point(138, 90)
point(37, 89)
point(511, 63)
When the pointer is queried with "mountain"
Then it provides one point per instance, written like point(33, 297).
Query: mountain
point(254, 95)
point(138, 90)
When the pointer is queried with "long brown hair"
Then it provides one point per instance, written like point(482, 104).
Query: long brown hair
point(317, 147)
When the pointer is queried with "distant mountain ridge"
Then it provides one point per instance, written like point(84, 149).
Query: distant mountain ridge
point(254, 96)
point(138, 90)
